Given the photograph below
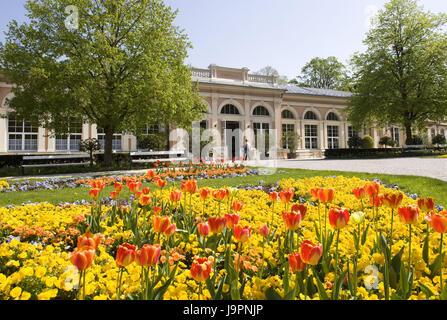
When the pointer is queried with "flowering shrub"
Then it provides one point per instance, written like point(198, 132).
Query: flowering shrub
point(315, 238)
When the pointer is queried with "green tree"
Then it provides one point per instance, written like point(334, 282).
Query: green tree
point(116, 63)
point(270, 71)
point(325, 73)
point(401, 78)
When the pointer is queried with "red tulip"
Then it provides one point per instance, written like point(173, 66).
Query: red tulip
point(286, 194)
point(273, 196)
point(438, 221)
point(237, 206)
point(326, 195)
point(203, 229)
point(144, 200)
point(217, 224)
point(231, 220)
point(201, 269)
point(378, 200)
point(157, 210)
point(426, 204)
point(372, 188)
point(242, 234)
point(205, 193)
point(125, 255)
point(93, 193)
point(98, 184)
point(160, 224)
point(392, 200)
point(338, 218)
point(359, 193)
point(310, 252)
point(146, 190)
point(302, 209)
point(296, 263)
point(82, 258)
point(114, 194)
point(118, 186)
point(170, 230)
point(148, 255)
point(409, 214)
point(264, 230)
point(175, 196)
point(314, 193)
point(292, 220)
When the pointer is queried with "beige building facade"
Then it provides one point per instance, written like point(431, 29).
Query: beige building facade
point(235, 100)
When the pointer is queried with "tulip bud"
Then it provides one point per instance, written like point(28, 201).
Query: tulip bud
point(409, 214)
point(358, 217)
point(125, 255)
point(203, 229)
point(338, 218)
point(201, 269)
point(148, 255)
point(242, 234)
point(82, 258)
point(296, 263)
point(310, 252)
point(264, 231)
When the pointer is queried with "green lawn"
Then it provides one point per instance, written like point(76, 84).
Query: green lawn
point(422, 186)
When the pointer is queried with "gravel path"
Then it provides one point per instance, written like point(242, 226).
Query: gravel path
point(426, 167)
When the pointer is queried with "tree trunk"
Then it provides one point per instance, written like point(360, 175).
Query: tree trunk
point(409, 134)
point(108, 152)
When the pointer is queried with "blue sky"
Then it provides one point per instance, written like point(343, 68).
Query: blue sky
point(255, 33)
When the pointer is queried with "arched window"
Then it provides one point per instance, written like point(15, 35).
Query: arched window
point(332, 117)
point(261, 111)
point(229, 109)
point(287, 114)
point(310, 115)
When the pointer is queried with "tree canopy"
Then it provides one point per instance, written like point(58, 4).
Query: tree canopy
point(401, 78)
point(116, 63)
point(325, 73)
point(270, 71)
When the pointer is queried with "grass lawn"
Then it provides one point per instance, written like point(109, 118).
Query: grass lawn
point(422, 186)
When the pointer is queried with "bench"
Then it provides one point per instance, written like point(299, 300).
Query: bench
point(54, 161)
point(142, 157)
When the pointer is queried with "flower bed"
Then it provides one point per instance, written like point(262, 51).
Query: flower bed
point(317, 238)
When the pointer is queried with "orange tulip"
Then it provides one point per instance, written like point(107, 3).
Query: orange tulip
point(220, 194)
point(264, 230)
point(170, 230)
point(82, 258)
point(242, 234)
point(217, 224)
point(134, 186)
point(338, 218)
point(273, 196)
point(310, 252)
point(302, 209)
point(438, 221)
point(314, 193)
point(146, 190)
point(125, 255)
point(144, 200)
point(189, 186)
point(93, 193)
point(203, 229)
point(148, 255)
point(426, 204)
point(286, 194)
point(98, 184)
point(160, 224)
point(326, 195)
point(114, 194)
point(378, 200)
point(201, 269)
point(160, 183)
point(157, 210)
point(89, 240)
point(296, 263)
point(237, 206)
point(175, 196)
point(359, 193)
point(118, 186)
point(409, 214)
point(292, 220)
point(372, 188)
point(392, 200)
point(231, 220)
point(150, 174)
point(205, 193)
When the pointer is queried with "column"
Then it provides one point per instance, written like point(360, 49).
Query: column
point(303, 137)
point(41, 140)
point(277, 120)
point(342, 136)
point(322, 136)
point(3, 134)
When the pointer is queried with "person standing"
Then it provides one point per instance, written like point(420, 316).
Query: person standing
point(246, 149)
